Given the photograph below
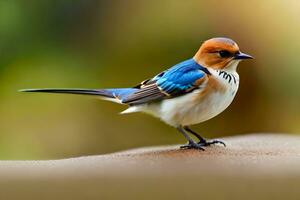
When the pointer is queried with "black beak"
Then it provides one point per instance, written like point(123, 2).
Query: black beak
point(242, 56)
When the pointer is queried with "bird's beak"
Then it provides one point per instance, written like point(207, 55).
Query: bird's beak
point(242, 56)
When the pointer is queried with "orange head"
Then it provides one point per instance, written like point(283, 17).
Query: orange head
point(220, 53)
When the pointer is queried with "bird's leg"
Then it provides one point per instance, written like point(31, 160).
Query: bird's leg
point(202, 141)
point(191, 144)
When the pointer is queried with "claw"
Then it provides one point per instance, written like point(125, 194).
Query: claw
point(205, 143)
point(193, 145)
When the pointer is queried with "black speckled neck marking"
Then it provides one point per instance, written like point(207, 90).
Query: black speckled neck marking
point(227, 76)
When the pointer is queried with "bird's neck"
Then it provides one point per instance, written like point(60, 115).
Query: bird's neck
point(229, 68)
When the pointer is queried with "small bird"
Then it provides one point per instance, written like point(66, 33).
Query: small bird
point(188, 93)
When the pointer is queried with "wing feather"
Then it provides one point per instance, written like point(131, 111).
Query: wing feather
point(178, 80)
point(145, 94)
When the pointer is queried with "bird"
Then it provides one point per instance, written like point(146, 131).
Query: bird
point(188, 93)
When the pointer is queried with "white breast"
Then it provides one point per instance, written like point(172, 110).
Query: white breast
point(185, 110)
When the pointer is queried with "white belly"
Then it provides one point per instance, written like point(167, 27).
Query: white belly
point(184, 111)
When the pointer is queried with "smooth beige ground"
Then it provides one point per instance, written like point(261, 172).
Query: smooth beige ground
point(260, 166)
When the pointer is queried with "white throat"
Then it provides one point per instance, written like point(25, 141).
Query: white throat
point(231, 66)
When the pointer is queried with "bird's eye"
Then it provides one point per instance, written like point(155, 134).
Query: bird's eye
point(224, 54)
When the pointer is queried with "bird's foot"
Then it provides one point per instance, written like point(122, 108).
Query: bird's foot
point(193, 145)
point(205, 143)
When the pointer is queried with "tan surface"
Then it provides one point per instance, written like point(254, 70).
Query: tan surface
point(253, 166)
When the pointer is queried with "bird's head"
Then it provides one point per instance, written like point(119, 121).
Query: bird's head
point(220, 53)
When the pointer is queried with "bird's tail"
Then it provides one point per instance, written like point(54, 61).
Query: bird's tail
point(115, 95)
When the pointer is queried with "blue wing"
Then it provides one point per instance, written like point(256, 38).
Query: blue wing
point(178, 80)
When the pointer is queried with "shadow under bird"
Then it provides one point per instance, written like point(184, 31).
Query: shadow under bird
point(188, 93)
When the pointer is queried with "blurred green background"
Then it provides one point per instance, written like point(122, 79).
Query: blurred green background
point(99, 44)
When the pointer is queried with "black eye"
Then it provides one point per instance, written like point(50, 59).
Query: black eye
point(224, 54)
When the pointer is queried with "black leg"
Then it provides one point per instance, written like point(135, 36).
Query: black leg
point(191, 144)
point(202, 141)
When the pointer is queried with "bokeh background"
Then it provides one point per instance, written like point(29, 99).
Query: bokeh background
point(99, 44)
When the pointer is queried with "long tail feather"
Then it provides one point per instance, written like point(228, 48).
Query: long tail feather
point(100, 92)
point(116, 95)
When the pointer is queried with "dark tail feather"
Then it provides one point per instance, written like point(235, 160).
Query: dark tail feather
point(110, 94)
point(97, 92)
